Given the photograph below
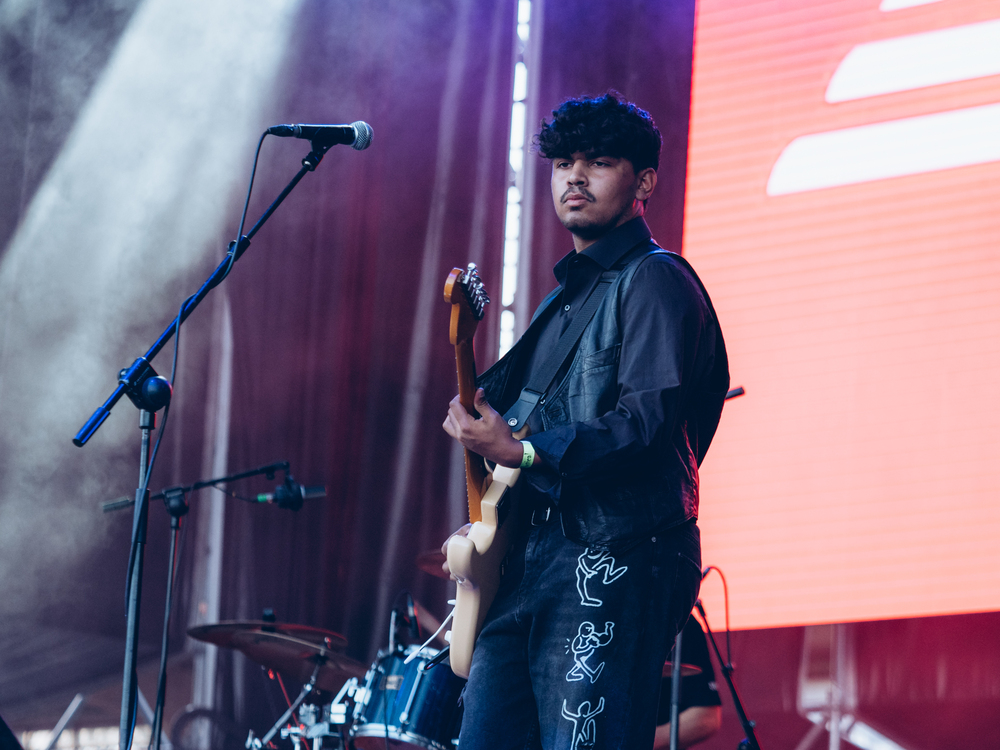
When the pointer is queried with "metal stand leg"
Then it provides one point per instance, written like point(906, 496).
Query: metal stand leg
point(126, 725)
point(837, 686)
point(256, 744)
point(68, 714)
point(675, 690)
point(177, 507)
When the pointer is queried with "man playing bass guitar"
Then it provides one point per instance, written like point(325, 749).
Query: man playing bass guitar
point(607, 563)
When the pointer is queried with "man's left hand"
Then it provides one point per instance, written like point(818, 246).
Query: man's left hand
point(489, 436)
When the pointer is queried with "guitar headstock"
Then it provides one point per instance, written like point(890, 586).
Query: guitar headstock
point(464, 291)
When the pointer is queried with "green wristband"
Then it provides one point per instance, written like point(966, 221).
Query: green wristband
point(529, 454)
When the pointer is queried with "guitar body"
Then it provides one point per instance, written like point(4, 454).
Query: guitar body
point(475, 560)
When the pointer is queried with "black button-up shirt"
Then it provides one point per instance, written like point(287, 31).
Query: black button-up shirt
point(665, 320)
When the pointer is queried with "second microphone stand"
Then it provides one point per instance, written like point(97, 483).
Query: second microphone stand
point(750, 740)
point(176, 504)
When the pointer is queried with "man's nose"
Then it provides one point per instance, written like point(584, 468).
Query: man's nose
point(578, 174)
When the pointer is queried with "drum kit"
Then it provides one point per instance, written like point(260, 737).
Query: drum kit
point(405, 699)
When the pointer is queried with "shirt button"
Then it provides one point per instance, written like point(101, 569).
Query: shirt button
point(566, 308)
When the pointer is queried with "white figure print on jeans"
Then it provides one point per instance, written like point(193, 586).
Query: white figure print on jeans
point(587, 641)
point(589, 564)
point(584, 726)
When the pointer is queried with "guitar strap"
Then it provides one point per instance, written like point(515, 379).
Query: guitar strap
point(517, 415)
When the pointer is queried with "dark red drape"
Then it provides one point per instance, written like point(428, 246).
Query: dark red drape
point(642, 49)
point(342, 362)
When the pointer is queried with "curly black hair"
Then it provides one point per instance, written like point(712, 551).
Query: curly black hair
point(606, 125)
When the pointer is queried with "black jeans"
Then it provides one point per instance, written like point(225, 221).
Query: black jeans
point(572, 651)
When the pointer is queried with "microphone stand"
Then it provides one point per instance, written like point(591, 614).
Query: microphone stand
point(174, 500)
point(675, 689)
point(147, 422)
point(750, 740)
point(134, 382)
point(177, 506)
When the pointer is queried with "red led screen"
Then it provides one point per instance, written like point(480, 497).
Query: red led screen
point(843, 207)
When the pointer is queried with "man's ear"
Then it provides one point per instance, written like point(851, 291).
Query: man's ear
point(645, 184)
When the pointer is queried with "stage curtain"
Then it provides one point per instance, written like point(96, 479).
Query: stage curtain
point(342, 363)
point(640, 48)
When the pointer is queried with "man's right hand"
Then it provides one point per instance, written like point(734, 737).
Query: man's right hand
point(464, 531)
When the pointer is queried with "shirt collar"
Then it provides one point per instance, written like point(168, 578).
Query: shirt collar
point(610, 248)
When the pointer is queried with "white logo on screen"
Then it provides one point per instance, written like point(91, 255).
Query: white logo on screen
point(912, 145)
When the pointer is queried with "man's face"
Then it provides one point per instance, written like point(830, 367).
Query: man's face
point(594, 194)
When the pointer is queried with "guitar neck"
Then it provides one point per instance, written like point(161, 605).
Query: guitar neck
point(463, 290)
point(475, 469)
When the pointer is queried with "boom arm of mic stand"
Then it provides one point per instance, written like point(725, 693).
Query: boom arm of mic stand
point(270, 470)
point(309, 163)
point(201, 484)
point(727, 672)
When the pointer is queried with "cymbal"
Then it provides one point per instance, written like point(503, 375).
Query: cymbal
point(431, 561)
point(687, 670)
point(297, 658)
point(223, 633)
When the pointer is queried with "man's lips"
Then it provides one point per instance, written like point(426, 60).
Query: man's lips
point(576, 197)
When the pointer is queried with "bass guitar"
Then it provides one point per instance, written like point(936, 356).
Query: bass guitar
point(475, 560)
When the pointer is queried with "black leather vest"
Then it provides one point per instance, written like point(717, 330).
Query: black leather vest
point(657, 492)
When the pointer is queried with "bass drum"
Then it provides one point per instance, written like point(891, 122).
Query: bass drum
point(406, 705)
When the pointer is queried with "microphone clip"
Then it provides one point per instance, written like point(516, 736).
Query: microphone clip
point(289, 494)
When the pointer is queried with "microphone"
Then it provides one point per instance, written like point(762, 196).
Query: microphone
point(290, 494)
point(358, 135)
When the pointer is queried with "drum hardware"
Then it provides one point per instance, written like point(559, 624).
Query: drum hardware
point(253, 743)
point(312, 655)
point(334, 720)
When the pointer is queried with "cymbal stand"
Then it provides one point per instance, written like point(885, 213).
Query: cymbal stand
point(334, 722)
point(253, 743)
